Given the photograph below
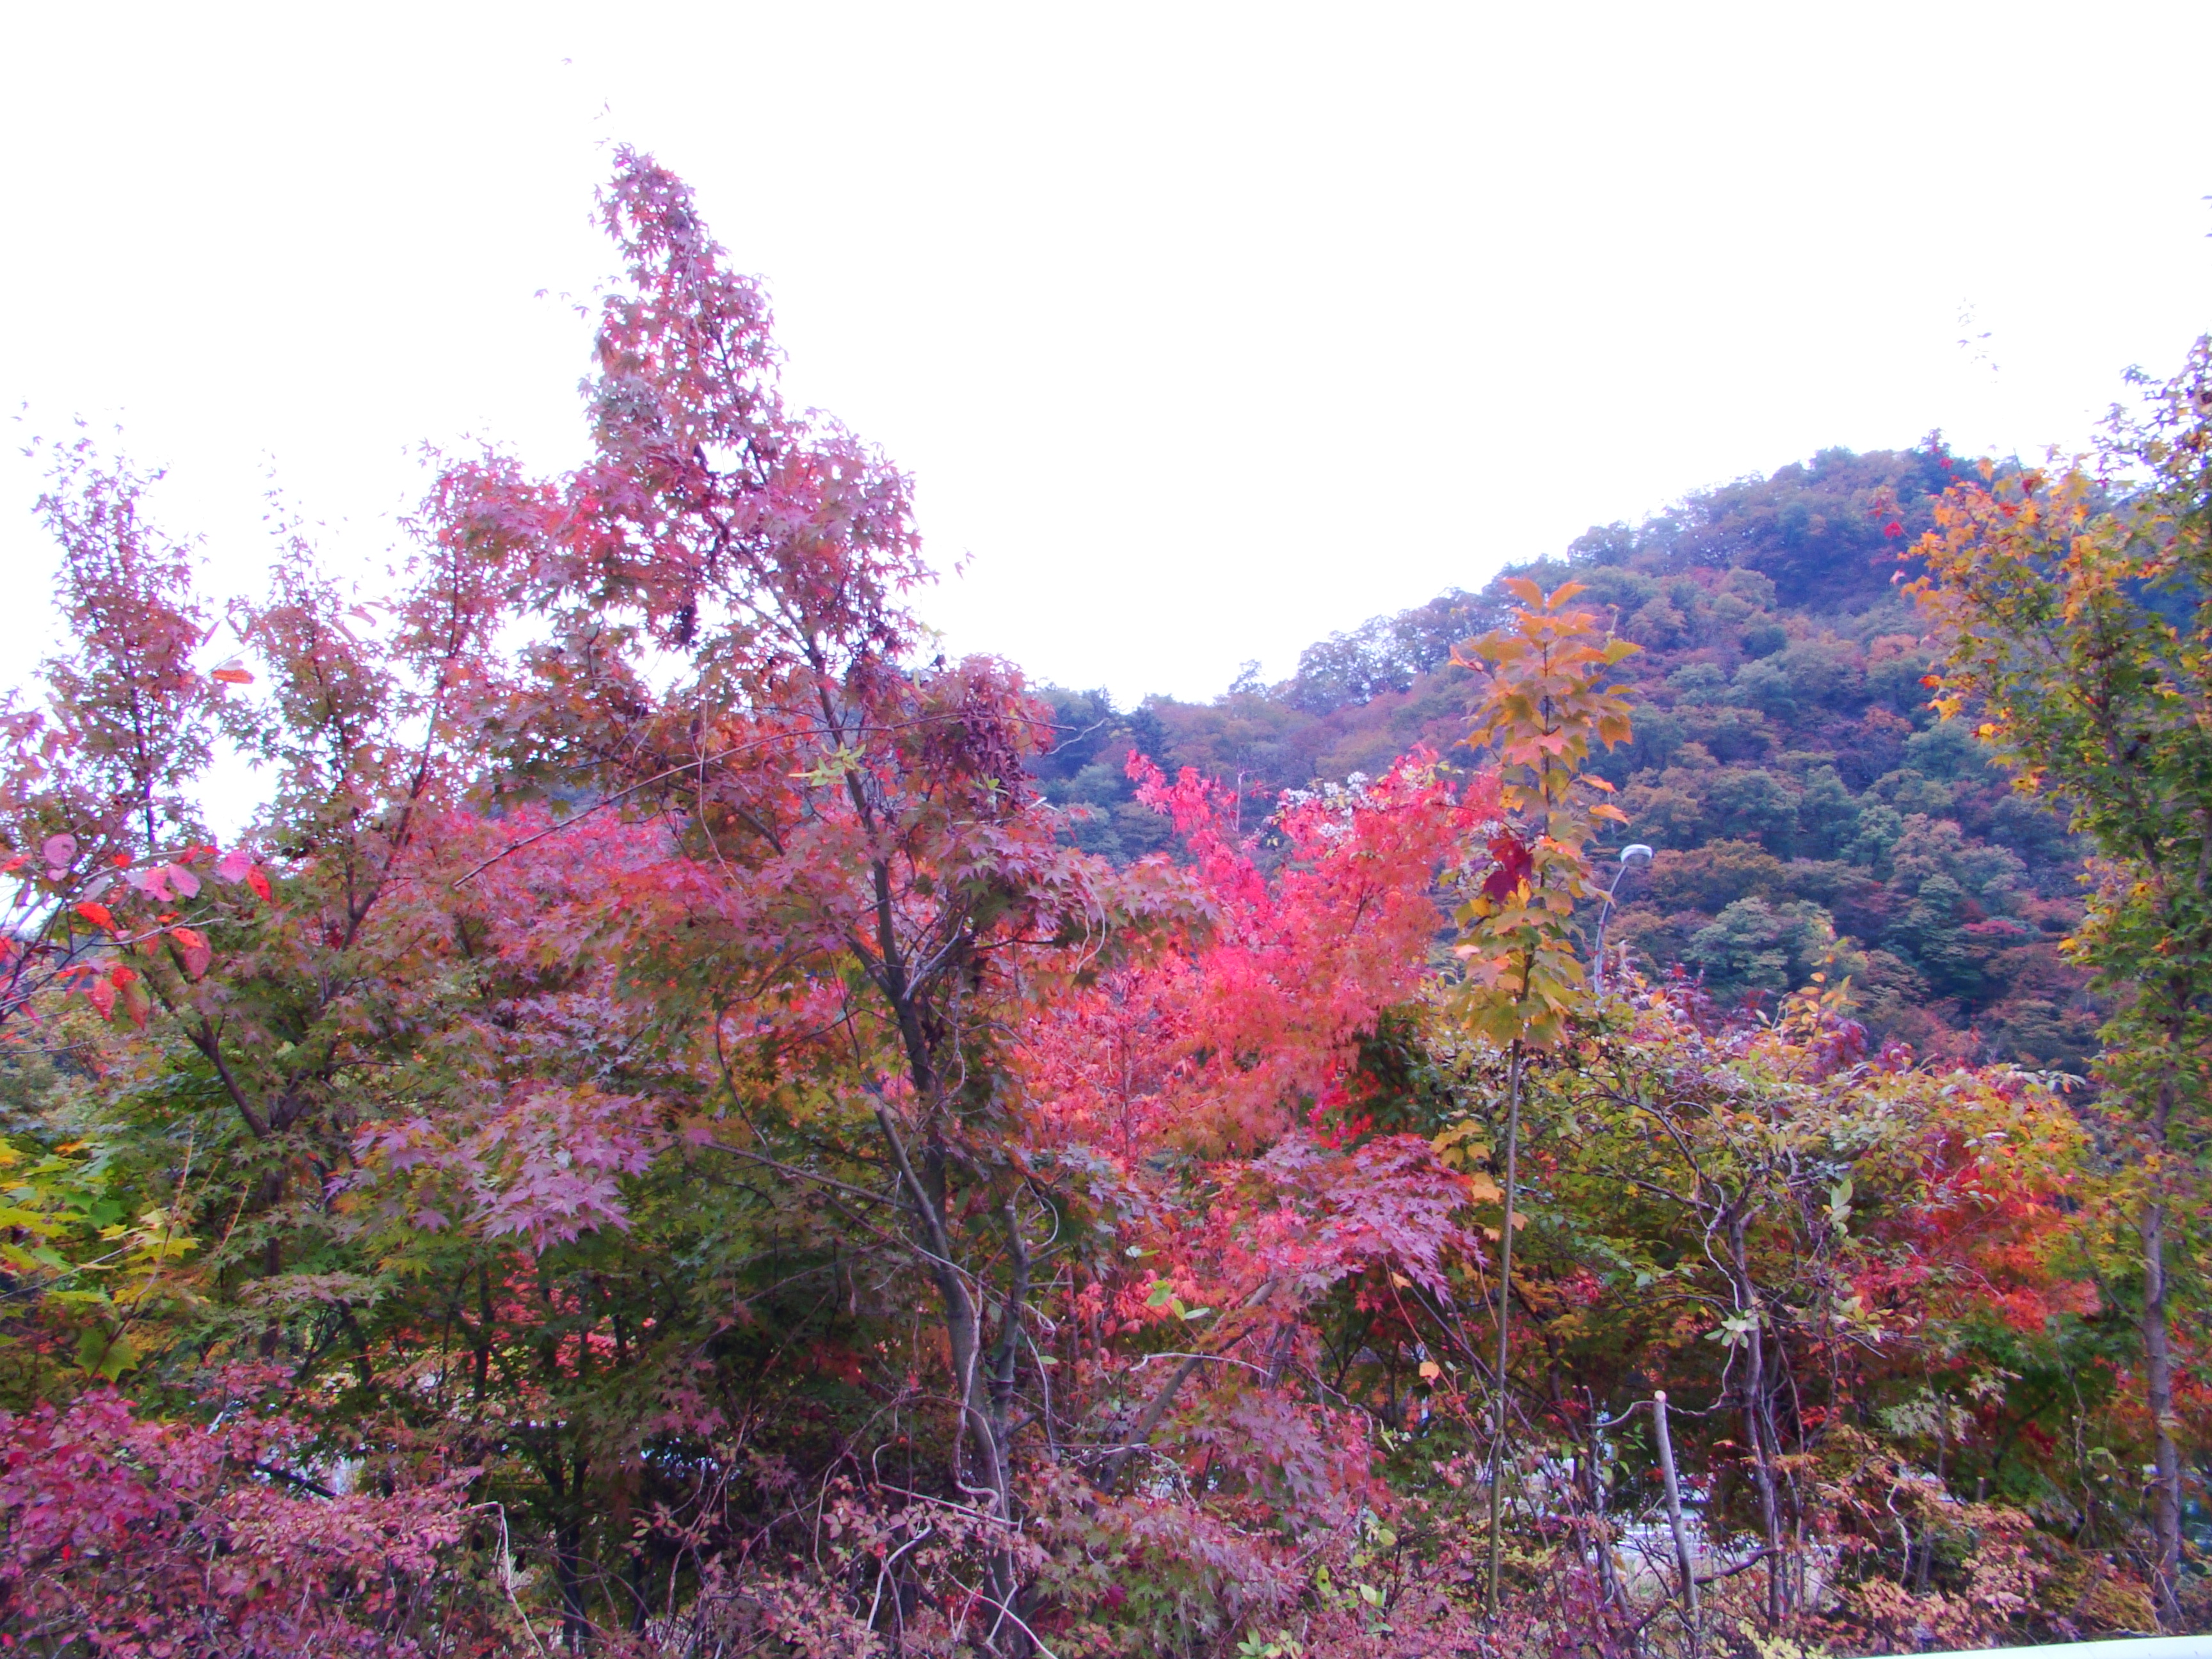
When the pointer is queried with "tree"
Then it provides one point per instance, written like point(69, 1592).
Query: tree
point(2076, 607)
point(662, 1139)
point(1549, 697)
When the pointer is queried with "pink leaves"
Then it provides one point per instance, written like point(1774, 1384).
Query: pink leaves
point(164, 882)
point(60, 852)
point(547, 1168)
point(1324, 1215)
point(237, 864)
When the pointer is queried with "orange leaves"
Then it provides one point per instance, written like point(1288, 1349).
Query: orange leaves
point(1550, 696)
point(1529, 594)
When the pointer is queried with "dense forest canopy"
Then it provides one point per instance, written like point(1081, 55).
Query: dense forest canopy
point(691, 1124)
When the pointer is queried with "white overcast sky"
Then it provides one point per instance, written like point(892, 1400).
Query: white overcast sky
point(1207, 329)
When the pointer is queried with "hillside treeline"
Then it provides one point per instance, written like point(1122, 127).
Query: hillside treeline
point(1810, 813)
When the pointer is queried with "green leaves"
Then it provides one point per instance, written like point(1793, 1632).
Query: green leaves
point(73, 1257)
point(105, 1354)
point(1162, 1294)
point(1839, 1206)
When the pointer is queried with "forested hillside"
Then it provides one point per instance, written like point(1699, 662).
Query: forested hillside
point(1810, 812)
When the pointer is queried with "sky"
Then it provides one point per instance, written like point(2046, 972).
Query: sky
point(1205, 330)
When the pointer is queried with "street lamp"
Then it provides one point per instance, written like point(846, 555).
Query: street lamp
point(1634, 850)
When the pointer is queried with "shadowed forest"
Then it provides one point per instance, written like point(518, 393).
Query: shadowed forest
point(1649, 1108)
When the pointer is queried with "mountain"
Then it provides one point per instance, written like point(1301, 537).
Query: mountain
point(1810, 812)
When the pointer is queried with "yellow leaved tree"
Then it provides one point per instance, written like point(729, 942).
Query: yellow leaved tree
point(1550, 696)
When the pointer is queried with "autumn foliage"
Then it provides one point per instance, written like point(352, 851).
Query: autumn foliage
point(660, 1139)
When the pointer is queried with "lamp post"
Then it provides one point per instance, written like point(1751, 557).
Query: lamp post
point(1634, 850)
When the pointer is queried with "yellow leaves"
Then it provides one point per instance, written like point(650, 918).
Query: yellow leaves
point(1547, 701)
point(1456, 1148)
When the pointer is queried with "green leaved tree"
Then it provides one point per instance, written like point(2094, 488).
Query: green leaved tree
point(2077, 607)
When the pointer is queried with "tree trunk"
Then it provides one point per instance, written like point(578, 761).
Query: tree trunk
point(568, 1573)
point(1504, 1321)
point(1754, 1421)
point(2158, 1357)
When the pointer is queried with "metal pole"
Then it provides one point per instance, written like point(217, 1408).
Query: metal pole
point(1636, 849)
point(1674, 1511)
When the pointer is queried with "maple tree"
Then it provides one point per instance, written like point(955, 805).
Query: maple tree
point(1548, 700)
point(661, 1137)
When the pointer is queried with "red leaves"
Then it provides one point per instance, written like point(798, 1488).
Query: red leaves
point(117, 1528)
point(1262, 1014)
point(1512, 862)
point(1892, 530)
point(119, 984)
point(98, 914)
point(132, 990)
point(194, 946)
